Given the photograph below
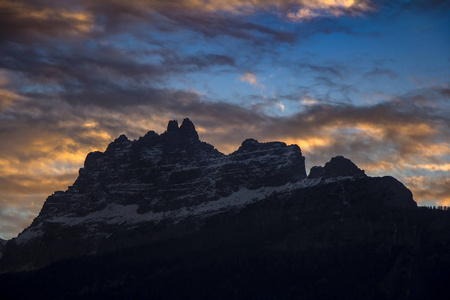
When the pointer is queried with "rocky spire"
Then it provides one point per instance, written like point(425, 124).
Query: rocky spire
point(172, 126)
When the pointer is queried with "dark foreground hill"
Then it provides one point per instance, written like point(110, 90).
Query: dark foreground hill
point(169, 217)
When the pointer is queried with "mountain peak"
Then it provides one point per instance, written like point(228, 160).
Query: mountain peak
point(249, 145)
point(336, 167)
point(185, 131)
point(119, 144)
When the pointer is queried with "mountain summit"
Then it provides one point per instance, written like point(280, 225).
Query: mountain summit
point(175, 197)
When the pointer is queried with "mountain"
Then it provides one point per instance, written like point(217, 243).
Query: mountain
point(169, 215)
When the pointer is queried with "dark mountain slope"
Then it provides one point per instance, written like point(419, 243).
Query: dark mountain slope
point(279, 248)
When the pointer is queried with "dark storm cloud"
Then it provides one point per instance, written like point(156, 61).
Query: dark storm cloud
point(214, 24)
point(37, 20)
point(53, 64)
point(84, 66)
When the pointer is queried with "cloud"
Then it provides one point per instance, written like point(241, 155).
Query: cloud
point(307, 100)
point(27, 19)
point(70, 20)
point(434, 191)
point(377, 72)
point(329, 8)
point(14, 220)
point(250, 78)
point(240, 7)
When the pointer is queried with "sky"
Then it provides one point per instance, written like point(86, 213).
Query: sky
point(367, 79)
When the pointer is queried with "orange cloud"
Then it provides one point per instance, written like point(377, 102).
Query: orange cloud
point(322, 8)
point(432, 167)
point(308, 101)
point(50, 18)
point(311, 144)
point(250, 78)
point(434, 191)
point(295, 10)
point(7, 98)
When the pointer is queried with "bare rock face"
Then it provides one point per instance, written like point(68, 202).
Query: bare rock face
point(169, 185)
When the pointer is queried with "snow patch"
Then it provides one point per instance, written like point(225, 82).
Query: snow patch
point(29, 234)
point(339, 178)
point(112, 214)
point(116, 214)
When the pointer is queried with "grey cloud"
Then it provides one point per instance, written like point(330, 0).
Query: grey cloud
point(376, 72)
point(329, 70)
point(15, 219)
point(88, 66)
point(18, 23)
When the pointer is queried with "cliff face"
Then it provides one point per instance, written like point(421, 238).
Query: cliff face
point(169, 185)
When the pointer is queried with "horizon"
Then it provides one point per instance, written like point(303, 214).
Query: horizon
point(368, 80)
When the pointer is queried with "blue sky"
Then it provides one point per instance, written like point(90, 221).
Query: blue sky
point(367, 79)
